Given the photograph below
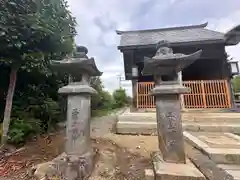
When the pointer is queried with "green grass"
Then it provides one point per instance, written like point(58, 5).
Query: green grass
point(101, 112)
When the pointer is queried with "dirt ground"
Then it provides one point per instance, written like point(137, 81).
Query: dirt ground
point(119, 157)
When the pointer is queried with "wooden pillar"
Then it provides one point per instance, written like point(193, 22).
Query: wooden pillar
point(181, 96)
point(231, 94)
point(134, 95)
point(129, 62)
point(226, 74)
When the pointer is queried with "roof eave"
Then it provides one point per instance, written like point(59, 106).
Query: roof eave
point(171, 44)
point(232, 37)
point(119, 32)
point(229, 43)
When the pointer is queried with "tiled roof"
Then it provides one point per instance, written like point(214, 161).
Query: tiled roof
point(172, 35)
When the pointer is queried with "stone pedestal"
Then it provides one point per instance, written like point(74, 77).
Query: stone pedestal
point(169, 123)
point(78, 148)
point(171, 163)
point(171, 171)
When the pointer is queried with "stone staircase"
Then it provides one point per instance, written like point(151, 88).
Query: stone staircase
point(145, 123)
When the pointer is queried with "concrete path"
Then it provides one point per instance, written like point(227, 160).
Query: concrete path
point(106, 124)
point(102, 125)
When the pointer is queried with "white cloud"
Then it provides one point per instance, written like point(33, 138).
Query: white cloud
point(110, 38)
point(97, 21)
point(225, 24)
point(172, 1)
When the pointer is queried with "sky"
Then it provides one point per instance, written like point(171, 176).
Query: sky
point(98, 21)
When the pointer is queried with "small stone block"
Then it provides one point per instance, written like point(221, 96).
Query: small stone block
point(149, 174)
point(173, 171)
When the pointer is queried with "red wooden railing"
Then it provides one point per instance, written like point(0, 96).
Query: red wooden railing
point(204, 94)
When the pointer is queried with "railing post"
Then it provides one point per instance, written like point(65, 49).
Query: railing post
point(203, 94)
point(137, 95)
point(229, 94)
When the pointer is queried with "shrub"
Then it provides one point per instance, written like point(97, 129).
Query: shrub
point(21, 129)
point(120, 98)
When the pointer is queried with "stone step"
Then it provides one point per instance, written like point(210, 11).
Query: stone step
point(150, 127)
point(234, 170)
point(151, 117)
point(222, 148)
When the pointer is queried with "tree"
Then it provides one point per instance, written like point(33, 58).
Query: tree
point(37, 106)
point(103, 99)
point(120, 98)
point(32, 32)
point(107, 101)
point(96, 83)
point(236, 84)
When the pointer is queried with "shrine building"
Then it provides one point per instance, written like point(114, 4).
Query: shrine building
point(209, 77)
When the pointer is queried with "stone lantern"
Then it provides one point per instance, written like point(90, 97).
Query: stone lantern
point(78, 143)
point(164, 66)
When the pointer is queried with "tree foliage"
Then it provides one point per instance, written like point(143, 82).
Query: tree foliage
point(32, 32)
point(34, 27)
point(103, 99)
point(236, 84)
point(37, 106)
point(120, 98)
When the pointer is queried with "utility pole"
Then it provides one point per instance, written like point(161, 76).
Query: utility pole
point(120, 79)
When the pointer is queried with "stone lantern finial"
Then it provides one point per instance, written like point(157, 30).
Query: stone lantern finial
point(81, 51)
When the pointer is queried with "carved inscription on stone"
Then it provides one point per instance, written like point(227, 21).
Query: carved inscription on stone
point(77, 125)
point(170, 143)
point(171, 120)
point(75, 114)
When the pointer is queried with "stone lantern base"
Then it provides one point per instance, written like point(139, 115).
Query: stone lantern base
point(171, 171)
point(171, 164)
